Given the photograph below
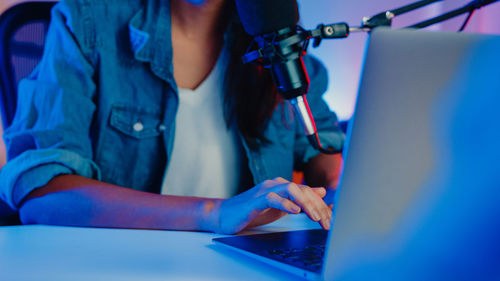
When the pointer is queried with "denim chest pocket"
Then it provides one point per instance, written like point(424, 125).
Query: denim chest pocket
point(136, 122)
point(131, 151)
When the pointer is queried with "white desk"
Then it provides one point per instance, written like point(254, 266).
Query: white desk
point(67, 253)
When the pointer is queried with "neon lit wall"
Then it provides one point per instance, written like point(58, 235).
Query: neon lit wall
point(344, 57)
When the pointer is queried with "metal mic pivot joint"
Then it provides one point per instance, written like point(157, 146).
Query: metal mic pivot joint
point(330, 31)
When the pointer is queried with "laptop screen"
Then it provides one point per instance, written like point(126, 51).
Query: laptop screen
point(419, 198)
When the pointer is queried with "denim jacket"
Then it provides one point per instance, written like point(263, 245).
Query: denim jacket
point(103, 100)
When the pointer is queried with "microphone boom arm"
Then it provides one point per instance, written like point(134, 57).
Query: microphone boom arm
point(469, 8)
point(385, 18)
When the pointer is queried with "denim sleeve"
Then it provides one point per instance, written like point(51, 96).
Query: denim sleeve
point(327, 125)
point(50, 132)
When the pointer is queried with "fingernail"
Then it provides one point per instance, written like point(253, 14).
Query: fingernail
point(296, 209)
point(316, 216)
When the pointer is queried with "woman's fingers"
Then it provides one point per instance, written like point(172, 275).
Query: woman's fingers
point(309, 200)
point(268, 201)
point(321, 191)
point(315, 196)
point(291, 198)
point(280, 180)
point(277, 202)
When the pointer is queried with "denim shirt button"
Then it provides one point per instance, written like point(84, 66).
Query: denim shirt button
point(138, 126)
point(162, 128)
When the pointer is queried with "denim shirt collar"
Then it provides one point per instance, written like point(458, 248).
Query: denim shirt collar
point(150, 38)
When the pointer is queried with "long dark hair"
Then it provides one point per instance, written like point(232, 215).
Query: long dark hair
point(251, 95)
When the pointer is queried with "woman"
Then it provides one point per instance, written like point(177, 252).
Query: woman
point(96, 133)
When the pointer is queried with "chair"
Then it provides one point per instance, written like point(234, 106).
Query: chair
point(22, 35)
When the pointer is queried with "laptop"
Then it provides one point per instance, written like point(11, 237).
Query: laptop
point(419, 197)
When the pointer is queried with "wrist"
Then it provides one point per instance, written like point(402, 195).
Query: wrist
point(210, 215)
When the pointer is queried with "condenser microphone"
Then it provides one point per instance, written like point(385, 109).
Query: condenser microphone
point(271, 22)
point(280, 47)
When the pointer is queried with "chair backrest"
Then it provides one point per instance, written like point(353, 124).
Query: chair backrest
point(22, 36)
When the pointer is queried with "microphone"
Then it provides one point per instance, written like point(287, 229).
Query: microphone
point(280, 47)
point(269, 22)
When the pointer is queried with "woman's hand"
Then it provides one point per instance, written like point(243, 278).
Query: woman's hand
point(267, 202)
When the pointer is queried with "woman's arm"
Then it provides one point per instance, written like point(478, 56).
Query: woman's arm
point(324, 170)
point(78, 201)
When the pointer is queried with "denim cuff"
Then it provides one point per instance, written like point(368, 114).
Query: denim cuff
point(35, 168)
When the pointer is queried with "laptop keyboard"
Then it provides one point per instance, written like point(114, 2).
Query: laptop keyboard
point(310, 257)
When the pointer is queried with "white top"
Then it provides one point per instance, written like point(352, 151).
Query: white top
point(206, 157)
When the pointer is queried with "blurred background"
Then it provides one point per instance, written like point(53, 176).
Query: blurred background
point(344, 57)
